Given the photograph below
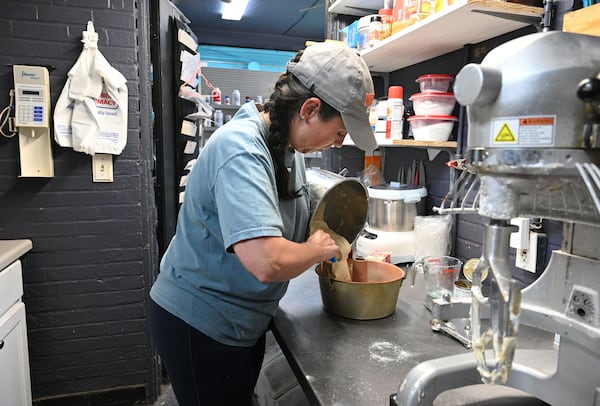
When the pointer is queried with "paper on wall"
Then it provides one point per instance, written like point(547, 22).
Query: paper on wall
point(190, 147)
point(189, 128)
point(91, 112)
point(187, 40)
point(190, 66)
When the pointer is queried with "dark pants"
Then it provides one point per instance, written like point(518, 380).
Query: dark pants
point(201, 370)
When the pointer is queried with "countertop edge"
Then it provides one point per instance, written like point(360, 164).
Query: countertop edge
point(11, 250)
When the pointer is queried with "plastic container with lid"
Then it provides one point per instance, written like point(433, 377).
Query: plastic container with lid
point(434, 82)
point(353, 34)
point(432, 128)
point(363, 32)
point(375, 30)
point(218, 118)
point(387, 18)
point(433, 103)
point(235, 97)
point(344, 35)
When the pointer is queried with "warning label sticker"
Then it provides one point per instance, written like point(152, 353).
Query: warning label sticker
point(505, 135)
point(523, 131)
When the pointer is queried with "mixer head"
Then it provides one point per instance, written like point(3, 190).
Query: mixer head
point(533, 123)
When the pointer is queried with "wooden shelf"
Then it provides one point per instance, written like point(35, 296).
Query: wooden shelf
point(424, 144)
point(448, 30)
point(583, 21)
point(448, 145)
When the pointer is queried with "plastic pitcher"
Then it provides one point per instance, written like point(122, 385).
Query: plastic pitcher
point(440, 273)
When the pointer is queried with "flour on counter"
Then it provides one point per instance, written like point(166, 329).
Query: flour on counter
point(384, 351)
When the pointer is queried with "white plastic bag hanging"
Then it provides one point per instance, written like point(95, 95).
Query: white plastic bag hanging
point(91, 112)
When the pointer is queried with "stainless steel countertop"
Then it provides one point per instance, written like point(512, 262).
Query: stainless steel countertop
point(352, 362)
point(11, 250)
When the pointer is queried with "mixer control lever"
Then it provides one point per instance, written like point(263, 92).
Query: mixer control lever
point(588, 91)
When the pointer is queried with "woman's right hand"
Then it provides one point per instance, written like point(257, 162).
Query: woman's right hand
point(275, 259)
point(321, 240)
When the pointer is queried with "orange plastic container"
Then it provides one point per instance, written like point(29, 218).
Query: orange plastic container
point(387, 18)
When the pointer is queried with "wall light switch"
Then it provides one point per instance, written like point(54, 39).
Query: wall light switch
point(102, 167)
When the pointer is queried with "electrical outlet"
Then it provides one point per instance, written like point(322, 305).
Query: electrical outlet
point(102, 168)
point(527, 258)
point(520, 238)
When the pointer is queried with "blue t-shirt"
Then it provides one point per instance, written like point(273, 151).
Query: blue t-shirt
point(231, 196)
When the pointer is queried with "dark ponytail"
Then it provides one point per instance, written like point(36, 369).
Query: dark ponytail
point(282, 106)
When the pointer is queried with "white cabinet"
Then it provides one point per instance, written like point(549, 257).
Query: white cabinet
point(15, 381)
point(15, 384)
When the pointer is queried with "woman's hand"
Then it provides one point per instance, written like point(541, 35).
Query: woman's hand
point(275, 259)
point(323, 240)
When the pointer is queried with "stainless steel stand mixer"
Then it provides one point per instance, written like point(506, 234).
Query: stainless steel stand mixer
point(533, 108)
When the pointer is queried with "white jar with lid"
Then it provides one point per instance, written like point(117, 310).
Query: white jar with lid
point(218, 118)
point(375, 29)
point(363, 32)
point(235, 97)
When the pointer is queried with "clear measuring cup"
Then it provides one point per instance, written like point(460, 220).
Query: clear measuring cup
point(440, 273)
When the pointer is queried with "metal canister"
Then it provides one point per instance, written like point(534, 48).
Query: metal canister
point(393, 207)
point(462, 288)
point(344, 202)
point(469, 268)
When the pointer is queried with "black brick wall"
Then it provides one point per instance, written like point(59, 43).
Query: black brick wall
point(93, 259)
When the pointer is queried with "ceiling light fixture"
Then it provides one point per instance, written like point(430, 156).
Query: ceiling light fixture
point(234, 10)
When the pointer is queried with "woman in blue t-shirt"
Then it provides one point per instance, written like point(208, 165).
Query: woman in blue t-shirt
point(242, 230)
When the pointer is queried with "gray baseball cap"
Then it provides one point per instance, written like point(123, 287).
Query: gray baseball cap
point(338, 75)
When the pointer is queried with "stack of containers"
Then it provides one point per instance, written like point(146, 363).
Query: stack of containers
point(433, 108)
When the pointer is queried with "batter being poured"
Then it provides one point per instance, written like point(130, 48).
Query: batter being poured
point(340, 269)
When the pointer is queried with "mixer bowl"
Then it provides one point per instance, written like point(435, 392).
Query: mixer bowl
point(393, 207)
point(372, 294)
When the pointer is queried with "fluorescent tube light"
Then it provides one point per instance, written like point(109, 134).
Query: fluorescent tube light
point(234, 10)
